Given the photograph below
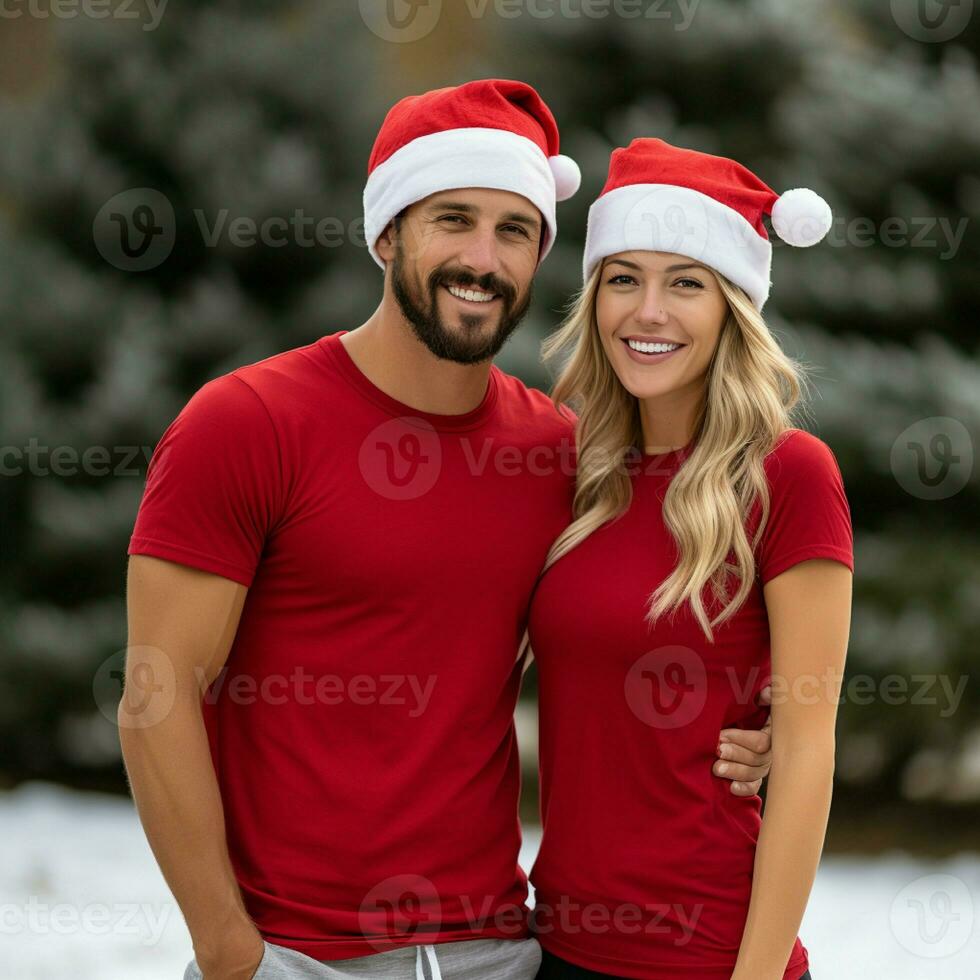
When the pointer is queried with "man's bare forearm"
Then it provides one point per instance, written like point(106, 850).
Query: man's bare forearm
point(176, 793)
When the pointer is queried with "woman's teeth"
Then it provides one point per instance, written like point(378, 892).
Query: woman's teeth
point(473, 295)
point(652, 348)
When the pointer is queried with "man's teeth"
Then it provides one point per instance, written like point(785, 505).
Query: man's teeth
point(652, 348)
point(473, 295)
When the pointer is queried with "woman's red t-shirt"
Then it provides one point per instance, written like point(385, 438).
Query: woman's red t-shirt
point(646, 863)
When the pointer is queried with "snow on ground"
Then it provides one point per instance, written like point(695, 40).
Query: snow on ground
point(81, 898)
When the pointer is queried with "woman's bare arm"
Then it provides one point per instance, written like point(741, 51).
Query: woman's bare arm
point(809, 608)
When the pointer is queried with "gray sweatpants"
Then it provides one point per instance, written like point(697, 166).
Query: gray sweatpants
point(469, 959)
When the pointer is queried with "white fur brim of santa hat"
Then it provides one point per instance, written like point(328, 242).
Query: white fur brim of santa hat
point(708, 209)
point(668, 218)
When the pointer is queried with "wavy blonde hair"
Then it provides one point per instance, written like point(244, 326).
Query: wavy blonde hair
point(750, 390)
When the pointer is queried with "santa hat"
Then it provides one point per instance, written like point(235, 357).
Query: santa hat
point(492, 132)
point(665, 198)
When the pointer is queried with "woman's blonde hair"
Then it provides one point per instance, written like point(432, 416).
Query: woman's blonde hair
point(750, 389)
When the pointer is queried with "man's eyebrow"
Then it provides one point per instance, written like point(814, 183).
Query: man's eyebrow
point(443, 205)
point(522, 216)
point(670, 268)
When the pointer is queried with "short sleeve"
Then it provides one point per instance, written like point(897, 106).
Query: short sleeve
point(809, 516)
point(213, 485)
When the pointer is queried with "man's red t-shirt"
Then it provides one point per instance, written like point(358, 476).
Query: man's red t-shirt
point(645, 868)
point(362, 731)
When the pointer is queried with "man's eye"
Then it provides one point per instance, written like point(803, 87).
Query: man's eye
point(452, 217)
point(520, 229)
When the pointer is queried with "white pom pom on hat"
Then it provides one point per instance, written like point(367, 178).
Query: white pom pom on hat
point(801, 217)
point(568, 176)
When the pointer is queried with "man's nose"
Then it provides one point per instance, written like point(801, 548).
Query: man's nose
point(480, 253)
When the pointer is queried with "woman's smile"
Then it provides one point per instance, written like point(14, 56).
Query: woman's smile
point(651, 350)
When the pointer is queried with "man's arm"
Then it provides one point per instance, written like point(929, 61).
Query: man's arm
point(745, 754)
point(181, 624)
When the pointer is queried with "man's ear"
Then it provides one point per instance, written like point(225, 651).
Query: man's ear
point(385, 245)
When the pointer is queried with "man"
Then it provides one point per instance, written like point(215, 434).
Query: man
point(337, 545)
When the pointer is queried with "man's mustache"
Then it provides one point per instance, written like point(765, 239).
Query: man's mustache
point(488, 283)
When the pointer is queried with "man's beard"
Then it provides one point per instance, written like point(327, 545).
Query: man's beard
point(466, 346)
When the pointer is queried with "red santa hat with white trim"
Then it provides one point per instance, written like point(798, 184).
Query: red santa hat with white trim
point(665, 198)
point(492, 132)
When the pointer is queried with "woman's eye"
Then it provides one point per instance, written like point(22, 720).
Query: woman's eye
point(694, 281)
point(621, 280)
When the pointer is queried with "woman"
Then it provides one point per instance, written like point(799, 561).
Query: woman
point(710, 550)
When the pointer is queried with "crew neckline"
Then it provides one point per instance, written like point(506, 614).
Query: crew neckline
point(660, 464)
point(685, 450)
point(337, 353)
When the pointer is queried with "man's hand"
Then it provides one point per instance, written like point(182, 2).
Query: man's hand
point(745, 755)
